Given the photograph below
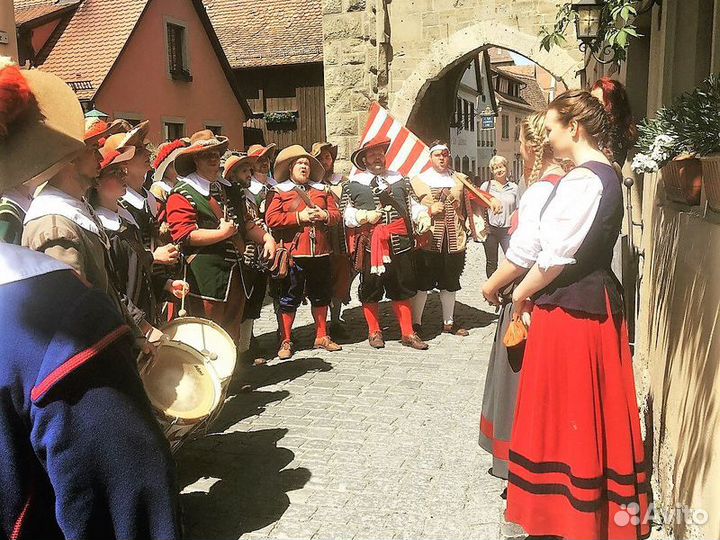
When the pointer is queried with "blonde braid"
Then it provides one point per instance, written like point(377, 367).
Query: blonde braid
point(535, 136)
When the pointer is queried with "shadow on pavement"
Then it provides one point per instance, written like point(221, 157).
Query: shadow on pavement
point(250, 483)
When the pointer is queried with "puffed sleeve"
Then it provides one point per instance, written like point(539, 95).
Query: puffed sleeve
point(525, 241)
point(181, 217)
point(568, 218)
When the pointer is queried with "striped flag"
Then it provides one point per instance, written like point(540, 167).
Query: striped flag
point(407, 154)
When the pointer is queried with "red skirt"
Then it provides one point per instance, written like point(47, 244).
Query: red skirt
point(577, 465)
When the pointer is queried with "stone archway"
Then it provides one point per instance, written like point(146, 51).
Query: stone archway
point(446, 54)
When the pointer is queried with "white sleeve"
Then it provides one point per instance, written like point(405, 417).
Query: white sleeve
point(525, 241)
point(568, 218)
point(350, 216)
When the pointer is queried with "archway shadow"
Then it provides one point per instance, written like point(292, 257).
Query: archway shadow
point(357, 332)
point(249, 491)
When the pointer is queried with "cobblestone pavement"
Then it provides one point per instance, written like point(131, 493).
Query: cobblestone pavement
point(358, 444)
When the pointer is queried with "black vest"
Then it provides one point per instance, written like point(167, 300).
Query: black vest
point(582, 286)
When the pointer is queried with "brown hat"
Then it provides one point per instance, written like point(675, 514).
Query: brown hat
point(137, 136)
point(258, 150)
point(234, 161)
point(292, 153)
point(200, 142)
point(96, 130)
point(44, 129)
point(318, 147)
point(358, 155)
point(112, 157)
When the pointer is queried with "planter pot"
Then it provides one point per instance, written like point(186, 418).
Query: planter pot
point(683, 180)
point(711, 180)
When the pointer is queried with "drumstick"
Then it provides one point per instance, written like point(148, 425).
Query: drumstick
point(182, 311)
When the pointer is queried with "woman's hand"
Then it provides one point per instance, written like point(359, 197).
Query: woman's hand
point(490, 294)
point(496, 205)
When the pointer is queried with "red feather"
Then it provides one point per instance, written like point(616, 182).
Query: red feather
point(166, 150)
point(17, 101)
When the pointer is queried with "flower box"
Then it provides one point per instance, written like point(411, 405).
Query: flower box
point(711, 180)
point(683, 180)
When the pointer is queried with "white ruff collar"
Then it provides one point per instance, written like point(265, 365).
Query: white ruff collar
point(435, 179)
point(335, 179)
point(18, 263)
point(200, 184)
point(109, 219)
point(20, 199)
point(365, 177)
point(163, 185)
point(289, 185)
point(136, 200)
point(53, 202)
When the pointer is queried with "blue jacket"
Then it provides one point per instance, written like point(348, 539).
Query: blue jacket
point(81, 455)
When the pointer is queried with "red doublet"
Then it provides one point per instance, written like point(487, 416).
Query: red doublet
point(313, 240)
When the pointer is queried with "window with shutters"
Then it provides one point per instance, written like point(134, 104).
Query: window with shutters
point(177, 52)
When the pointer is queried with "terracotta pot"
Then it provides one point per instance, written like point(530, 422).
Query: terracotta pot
point(683, 180)
point(711, 179)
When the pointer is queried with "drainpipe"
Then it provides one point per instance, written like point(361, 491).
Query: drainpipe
point(8, 35)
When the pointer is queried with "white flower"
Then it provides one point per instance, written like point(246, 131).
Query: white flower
point(643, 163)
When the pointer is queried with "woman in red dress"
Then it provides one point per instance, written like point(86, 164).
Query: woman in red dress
point(577, 465)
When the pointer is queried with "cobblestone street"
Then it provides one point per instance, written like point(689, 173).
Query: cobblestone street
point(356, 444)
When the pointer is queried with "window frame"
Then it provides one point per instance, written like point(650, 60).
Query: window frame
point(185, 74)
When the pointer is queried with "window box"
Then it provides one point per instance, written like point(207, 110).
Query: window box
point(181, 75)
point(281, 117)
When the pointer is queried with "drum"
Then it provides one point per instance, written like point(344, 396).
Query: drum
point(209, 339)
point(183, 389)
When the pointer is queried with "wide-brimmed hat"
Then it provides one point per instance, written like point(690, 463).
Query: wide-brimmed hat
point(114, 156)
point(43, 128)
point(137, 136)
point(292, 153)
point(318, 147)
point(97, 130)
point(233, 161)
point(201, 141)
point(167, 152)
point(258, 150)
point(377, 142)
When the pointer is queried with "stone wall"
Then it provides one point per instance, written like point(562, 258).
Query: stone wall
point(392, 51)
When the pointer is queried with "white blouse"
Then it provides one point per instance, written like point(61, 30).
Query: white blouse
point(554, 239)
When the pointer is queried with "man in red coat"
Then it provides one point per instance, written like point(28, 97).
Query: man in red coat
point(299, 214)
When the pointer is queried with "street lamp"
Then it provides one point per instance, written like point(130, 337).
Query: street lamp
point(587, 23)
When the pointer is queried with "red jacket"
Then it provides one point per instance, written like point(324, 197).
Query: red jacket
point(310, 240)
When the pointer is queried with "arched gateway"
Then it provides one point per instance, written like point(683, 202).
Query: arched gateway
point(394, 52)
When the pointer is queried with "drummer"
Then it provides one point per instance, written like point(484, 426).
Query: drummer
point(210, 241)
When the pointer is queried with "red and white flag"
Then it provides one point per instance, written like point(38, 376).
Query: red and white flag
point(407, 154)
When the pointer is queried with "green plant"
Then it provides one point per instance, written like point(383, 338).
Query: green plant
point(280, 117)
point(616, 28)
point(701, 117)
point(690, 126)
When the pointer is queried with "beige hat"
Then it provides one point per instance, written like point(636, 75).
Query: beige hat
point(290, 154)
point(137, 136)
point(318, 147)
point(201, 141)
point(258, 150)
point(43, 132)
point(112, 157)
point(96, 130)
point(234, 161)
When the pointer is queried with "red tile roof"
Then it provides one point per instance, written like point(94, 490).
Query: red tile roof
point(500, 56)
point(531, 94)
point(24, 15)
point(268, 33)
point(92, 42)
